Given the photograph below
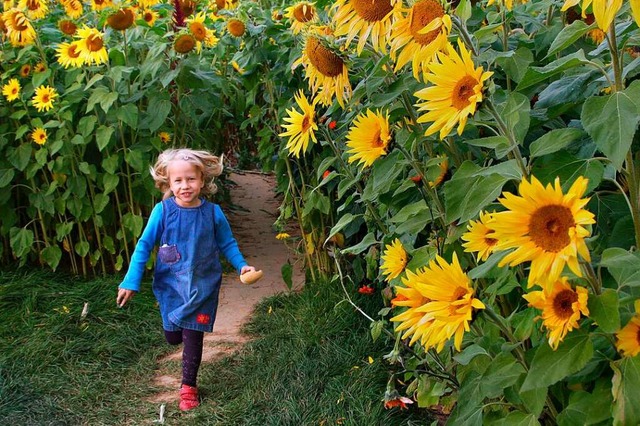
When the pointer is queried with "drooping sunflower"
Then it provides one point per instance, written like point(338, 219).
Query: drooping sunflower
point(19, 29)
point(301, 127)
point(300, 15)
point(546, 227)
point(455, 92)
point(67, 27)
point(91, 46)
point(39, 136)
point(394, 260)
point(418, 35)
point(561, 308)
point(150, 16)
point(11, 90)
point(628, 338)
point(69, 55)
point(121, 19)
point(73, 8)
point(368, 138)
point(44, 97)
point(326, 71)
point(366, 19)
point(236, 27)
point(449, 307)
point(98, 5)
point(480, 236)
point(165, 137)
point(40, 67)
point(184, 43)
point(36, 9)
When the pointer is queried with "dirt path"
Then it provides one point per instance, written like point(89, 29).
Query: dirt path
point(251, 225)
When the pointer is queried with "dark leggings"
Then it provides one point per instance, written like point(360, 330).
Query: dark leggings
point(191, 352)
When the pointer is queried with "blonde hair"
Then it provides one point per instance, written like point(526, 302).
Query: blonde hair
point(208, 164)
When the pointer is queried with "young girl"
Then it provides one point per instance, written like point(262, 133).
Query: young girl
point(191, 232)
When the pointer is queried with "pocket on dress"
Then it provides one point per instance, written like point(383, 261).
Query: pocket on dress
point(168, 254)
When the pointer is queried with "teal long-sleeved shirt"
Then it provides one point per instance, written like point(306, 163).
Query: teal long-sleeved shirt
point(151, 237)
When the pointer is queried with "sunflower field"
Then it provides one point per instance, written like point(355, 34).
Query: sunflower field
point(469, 163)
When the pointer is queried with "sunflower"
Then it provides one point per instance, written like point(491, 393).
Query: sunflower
point(11, 90)
point(73, 8)
point(605, 12)
point(301, 127)
point(282, 236)
point(364, 19)
point(448, 304)
point(91, 45)
point(394, 260)
point(19, 28)
point(368, 138)
point(44, 97)
point(635, 11)
point(506, 3)
point(300, 15)
point(184, 43)
point(25, 71)
point(67, 27)
point(39, 135)
point(121, 19)
point(40, 67)
point(146, 4)
point(69, 55)
point(628, 338)
point(196, 26)
point(411, 43)
point(455, 93)
point(236, 66)
point(226, 4)
point(165, 137)
point(480, 236)
point(36, 9)
point(561, 308)
point(150, 16)
point(326, 71)
point(236, 27)
point(98, 5)
point(545, 227)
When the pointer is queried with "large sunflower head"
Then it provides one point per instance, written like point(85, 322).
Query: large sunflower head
point(544, 226)
point(480, 239)
point(236, 27)
point(67, 27)
point(19, 28)
point(628, 338)
point(561, 308)
point(300, 15)
point(11, 90)
point(419, 35)
point(197, 28)
point(184, 43)
point(36, 9)
point(368, 138)
point(43, 98)
point(326, 71)
point(366, 19)
point(455, 91)
point(69, 55)
point(39, 136)
point(73, 8)
point(121, 19)
point(394, 260)
point(301, 127)
point(91, 45)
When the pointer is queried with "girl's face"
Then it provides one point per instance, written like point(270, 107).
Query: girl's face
point(185, 181)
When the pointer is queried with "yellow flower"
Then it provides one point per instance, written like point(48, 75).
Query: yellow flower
point(628, 338)
point(146, 4)
point(236, 27)
point(25, 70)
point(605, 11)
point(39, 135)
point(301, 127)
point(368, 138)
point(394, 260)
point(73, 8)
point(419, 35)
point(69, 55)
point(36, 9)
point(455, 93)
point(506, 3)
point(635, 10)
point(90, 45)
point(150, 16)
point(43, 98)
point(447, 304)
point(11, 90)
point(67, 27)
point(237, 67)
point(480, 236)
point(326, 71)
point(561, 308)
point(165, 137)
point(366, 19)
point(196, 26)
point(545, 227)
point(98, 5)
point(18, 27)
point(40, 67)
point(300, 15)
point(282, 236)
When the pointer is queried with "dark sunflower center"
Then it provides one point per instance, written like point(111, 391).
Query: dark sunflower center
point(303, 13)
point(549, 227)
point(459, 293)
point(25, 70)
point(377, 142)
point(236, 28)
point(323, 59)
point(45, 98)
point(198, 30)
point(68, 27)
point(185, 43)
point(148, 16)
point(638, 336)
point(372, 10)
point(72, 52)
point(121, 20)
point(562, 303)
point(306, 123)
point(463, 91)
point(422, 13)
point(33, 4)
point(490, 241)
point(98, 2)
point(94, 42)
point(19, 22)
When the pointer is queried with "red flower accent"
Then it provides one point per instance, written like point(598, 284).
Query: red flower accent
point(332, 124)
point(326, 174)
point(203, 319)
point(400, 401)
point(365, 289)
point(416, 179)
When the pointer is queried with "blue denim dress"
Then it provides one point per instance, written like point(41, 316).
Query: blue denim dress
point(188, 273)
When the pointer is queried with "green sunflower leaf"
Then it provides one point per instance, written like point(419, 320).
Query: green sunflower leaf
point(626, 398)
point(603, 309)
point(569, 35)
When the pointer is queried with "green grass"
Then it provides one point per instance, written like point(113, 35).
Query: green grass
point(306, 365)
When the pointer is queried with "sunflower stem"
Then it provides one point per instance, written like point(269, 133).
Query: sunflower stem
point(499, 322)
point(615, 59)
point(634, 194)
point(506, 132)
point(505, 41)
point(464, 33)
point(414, 119)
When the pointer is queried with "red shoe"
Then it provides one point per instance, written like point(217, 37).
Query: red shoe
point(188, 398)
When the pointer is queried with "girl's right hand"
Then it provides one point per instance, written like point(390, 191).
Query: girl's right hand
point(124, 296)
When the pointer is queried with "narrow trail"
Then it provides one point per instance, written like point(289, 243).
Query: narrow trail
point(251, 223)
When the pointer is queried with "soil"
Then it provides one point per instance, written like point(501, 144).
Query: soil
point(253, 210)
